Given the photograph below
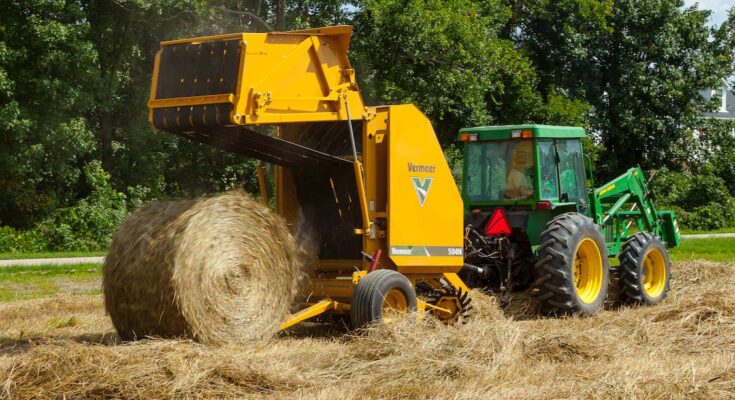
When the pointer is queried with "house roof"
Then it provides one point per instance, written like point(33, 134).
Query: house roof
point(727, 85)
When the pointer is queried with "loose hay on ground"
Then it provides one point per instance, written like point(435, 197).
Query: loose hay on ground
point(220, 269)
point(671, 351)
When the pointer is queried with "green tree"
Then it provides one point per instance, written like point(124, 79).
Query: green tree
point(639, 64)
point(90, 222)
point(125, 35)
point(701, 200)
point(46, 66)
point(715, 144)
point(447, 58)
point(264, 15)
point(563, 38)
point(656, 61)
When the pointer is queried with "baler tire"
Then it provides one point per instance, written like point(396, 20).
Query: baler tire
point(370, 294)
point(554, 287)
point(631, 273)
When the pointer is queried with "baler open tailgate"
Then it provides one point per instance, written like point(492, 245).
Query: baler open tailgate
point(253, 78)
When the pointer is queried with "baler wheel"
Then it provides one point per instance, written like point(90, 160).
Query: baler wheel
point(572, 268)
point(379, 295)
point(644, 272)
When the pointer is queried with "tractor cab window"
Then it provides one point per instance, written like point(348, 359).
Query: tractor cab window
point(549, 173)
point(571, 170)
point(562, 170)
point(500, 170)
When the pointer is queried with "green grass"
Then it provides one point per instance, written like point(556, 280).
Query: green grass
point(714, 249)
point(721, 230)
point(51, 254)
point(23, 283)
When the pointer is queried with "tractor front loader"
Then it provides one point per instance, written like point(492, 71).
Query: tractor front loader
point(531, 221)
point(369, 186)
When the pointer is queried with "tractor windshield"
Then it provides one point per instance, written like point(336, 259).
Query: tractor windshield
point(500, 170)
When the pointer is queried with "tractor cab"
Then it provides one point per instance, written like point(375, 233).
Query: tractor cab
point(529, 173)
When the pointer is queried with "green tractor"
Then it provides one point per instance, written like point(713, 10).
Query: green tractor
point(532, 221)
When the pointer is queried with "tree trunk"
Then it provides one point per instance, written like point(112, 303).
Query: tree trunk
point(281, 15)
point(106, 129)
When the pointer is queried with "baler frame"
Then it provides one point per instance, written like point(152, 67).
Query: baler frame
point(221, 90)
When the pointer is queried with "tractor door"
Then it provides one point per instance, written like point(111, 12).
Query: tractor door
point(562, 172)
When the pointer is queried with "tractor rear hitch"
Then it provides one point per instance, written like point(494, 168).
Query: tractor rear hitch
point(482, 273)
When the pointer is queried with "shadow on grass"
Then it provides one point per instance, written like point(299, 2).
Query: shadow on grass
point(20, 344)
point(326, 328)
point(523, 307)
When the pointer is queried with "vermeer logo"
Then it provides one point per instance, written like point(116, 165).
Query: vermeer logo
point(422, 188)
point(421, 168)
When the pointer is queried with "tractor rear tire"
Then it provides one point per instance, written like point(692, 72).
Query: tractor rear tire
point(644, 272)
point(380, 291)
point(572, 269)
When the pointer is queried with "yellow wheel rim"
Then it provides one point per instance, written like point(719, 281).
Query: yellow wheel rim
point(654, 272)
point(588, 270)
point(394, 303)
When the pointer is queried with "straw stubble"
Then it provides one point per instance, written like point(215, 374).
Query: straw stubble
point(683, 348)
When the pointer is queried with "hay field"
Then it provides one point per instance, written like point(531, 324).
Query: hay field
point(65, 346)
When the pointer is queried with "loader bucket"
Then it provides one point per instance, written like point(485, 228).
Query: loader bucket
point(669, 228)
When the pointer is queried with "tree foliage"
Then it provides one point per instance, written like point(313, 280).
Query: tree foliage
point(639, 64)
point(659, 58)
point(46, 64)
point(701, 201)
point(563, 39)
point(448, 59)
point(75, 78)
point(715, 147)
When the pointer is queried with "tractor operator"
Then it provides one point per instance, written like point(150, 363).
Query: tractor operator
point(518, 184)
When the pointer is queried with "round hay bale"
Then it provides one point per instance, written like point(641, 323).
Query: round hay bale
point(219, 270)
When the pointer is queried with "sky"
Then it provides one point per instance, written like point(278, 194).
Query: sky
point(719, 8)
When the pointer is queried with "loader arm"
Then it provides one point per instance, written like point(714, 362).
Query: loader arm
point(626, 201)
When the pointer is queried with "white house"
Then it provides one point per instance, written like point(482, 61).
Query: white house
point(727, 101)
